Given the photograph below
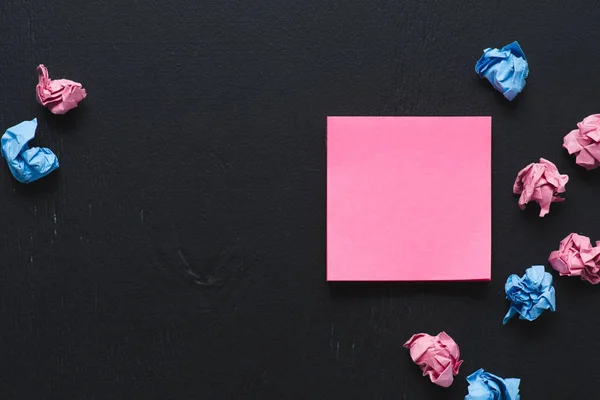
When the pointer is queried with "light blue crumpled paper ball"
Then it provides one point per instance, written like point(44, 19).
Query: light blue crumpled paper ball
point(505, 68)
point(26, 164)
point(486, 386)
point(531, 294)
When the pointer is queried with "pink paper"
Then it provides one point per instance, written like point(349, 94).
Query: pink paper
point(591, 259)
point(60, 95)
point(540, 182)
point(577, 257)
point(585, 142)
point(437, 356)
point(567, 259)
point(408, 198)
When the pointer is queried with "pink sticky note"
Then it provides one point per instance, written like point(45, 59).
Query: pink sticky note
point(408, 198)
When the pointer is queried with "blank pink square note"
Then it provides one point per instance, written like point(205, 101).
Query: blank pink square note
point(409, 198)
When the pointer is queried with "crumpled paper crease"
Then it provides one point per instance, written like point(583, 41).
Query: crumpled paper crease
point(506, 69)
point(437, 356)
point(26, 164)
point(540, 182)
point(59, 95)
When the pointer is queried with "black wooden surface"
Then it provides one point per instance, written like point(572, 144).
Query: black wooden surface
point(179, 251)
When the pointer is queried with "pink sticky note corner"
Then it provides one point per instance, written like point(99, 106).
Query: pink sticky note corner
point(408, 198)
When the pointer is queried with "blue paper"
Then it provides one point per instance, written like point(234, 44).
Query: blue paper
point(486, 386)
point(531, 294)
point(26, 164)
point(506, 69)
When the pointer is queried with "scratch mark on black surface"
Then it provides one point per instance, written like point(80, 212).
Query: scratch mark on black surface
point(186, 265)
point(382, 382)
point(55, 221)
point(208, 280)
point(331, 337)
point(218, 160)
point(255, 381)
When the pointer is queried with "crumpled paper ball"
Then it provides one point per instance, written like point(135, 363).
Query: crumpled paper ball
point(530, 295)
point(577, 257)
point(26, 164)
point(591, 259)
point(540, 182)
point(567, 259)
point(506, 69)
point(585, 142)
point(60, 95)
point(437, 356)
point(486, 386)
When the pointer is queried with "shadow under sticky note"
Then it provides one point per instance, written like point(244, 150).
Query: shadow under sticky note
point(408, 198)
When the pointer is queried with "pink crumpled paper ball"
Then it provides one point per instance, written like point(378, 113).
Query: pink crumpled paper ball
point(577, 257)
point(540, 182)
point(567, 259)
point(585, 142)
point(60, 95)
point(437, 356)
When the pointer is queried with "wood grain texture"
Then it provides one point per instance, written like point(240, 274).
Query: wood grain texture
point(179, 251)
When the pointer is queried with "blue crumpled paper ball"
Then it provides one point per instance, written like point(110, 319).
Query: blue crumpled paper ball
point(26, 164)
point(505, 68)
point(486, 386)
point(531, 294)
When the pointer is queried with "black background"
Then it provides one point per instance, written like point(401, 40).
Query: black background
point(179, 251)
